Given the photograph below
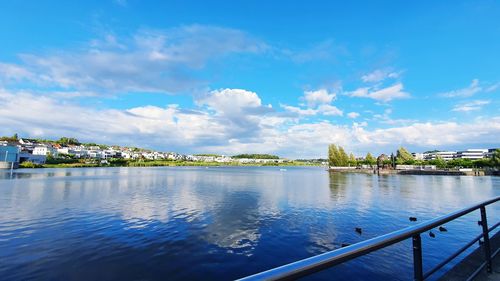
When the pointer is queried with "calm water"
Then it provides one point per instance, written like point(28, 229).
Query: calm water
point(220, 223)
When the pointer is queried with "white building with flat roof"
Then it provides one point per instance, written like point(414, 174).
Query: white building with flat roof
point(472, 154)
point(445, 155)
point(418, 156)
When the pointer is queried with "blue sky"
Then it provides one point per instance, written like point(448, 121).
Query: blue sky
point(253, 76)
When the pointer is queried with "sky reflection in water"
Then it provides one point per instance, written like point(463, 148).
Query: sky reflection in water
point(193, 223)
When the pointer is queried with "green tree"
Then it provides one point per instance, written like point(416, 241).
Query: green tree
point(370, 160)
point(333, 155)
point(495, 159)
point(66, 141)
point(403, 156)
point(352, 160)
point(344, 159)
point(439, 162)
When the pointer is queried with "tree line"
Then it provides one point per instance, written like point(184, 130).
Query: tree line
point(338, 157)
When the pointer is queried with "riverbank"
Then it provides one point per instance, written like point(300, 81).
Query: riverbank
point(437, 172)
point(163, 163)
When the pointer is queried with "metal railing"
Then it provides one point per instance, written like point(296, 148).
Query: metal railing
point(326, 260)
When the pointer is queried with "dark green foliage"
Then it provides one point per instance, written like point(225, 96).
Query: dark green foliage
point(118, 162)
point(495, 159)
point(14, 138)
point(256, 156)
point(68, 160)
point(68, 141)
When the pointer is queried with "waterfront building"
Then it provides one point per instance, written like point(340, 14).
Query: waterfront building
point(25, 156)
point(490, 152)
point(45, 150)
point(418, 156)
point(445, 155)
point(9, 156)
point(472, 154)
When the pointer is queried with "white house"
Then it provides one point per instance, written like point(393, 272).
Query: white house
point(44, 150)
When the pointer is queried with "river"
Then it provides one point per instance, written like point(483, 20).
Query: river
point(221, 223)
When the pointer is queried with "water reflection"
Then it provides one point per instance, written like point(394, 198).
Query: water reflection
point(147, 223)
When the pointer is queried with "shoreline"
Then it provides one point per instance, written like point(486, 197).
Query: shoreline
point(167, 164)
point(438, 172)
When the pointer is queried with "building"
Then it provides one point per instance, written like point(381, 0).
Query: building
point(472, 154)
point(445, 155)
point(45, 150)
point(490, 152)
point(9, 156)
point(416, 156)
point(35, 159)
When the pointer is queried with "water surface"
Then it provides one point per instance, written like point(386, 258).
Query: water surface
point(196, 223)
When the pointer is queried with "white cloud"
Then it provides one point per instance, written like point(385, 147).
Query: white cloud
point(12, 72)
point(383, 95)
point(216, 127)
point(379, 75)
point(318, 97)
point(469, 91)
point(150, 60)
point(299, 111)
point(230, 101)
point(330, 110)
point(318, 102)
point(492, 88)
point(353, 115)
point(470, 106)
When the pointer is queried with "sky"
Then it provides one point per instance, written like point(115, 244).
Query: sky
point(230, 77)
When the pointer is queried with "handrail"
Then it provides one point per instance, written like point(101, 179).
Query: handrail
point(317, 263)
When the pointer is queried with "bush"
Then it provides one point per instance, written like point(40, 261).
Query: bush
point(29, 164)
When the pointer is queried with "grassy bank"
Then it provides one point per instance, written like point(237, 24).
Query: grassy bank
point(156, 163)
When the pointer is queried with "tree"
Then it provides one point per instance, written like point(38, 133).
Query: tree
point(495, 158)
point(66, 141)
point(337, 157)
point(352, 160)
point(333, 155)
point(370, 160)
point(14, 138)
point(403, 156)
point(344, 159)
point(439, 162)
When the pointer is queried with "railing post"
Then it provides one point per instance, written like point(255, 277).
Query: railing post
point(486, 238)
point(417, 258)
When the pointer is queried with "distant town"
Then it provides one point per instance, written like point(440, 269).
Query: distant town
point(69, 152)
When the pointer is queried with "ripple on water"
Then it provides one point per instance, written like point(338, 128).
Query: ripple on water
point(220, 224)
